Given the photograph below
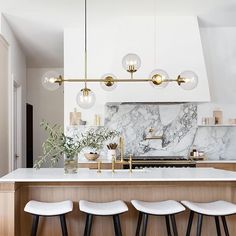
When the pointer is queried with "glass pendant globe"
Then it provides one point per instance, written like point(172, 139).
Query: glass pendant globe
point(158, 78)
point(48, 80)
point(131, 62)
point(85, 98)
point(109, 84)
point(190, 80)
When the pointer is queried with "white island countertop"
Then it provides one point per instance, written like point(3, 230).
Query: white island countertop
point(86, 175)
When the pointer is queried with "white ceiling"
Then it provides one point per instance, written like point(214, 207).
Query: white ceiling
point(38, 24)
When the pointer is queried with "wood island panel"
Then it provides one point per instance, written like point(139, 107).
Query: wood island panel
point(10, 208)
point(108, 191)
point(222, 166)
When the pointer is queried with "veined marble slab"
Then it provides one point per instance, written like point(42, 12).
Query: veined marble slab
point(219, 143)
point(177, 124)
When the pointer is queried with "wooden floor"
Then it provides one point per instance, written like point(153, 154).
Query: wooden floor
point(16, 196)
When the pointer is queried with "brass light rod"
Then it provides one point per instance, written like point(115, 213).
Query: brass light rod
point(115, 80)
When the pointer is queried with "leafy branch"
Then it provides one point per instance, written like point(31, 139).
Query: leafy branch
point(58, 144)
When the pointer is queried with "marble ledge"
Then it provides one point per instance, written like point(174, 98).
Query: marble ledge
point(233, 161)
point(151, 175)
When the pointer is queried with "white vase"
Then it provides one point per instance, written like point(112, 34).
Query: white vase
point(111, 153)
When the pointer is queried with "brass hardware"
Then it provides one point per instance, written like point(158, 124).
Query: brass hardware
point(157, 79)
point(180, 80)
point(121, 146)
point(113, 163)
point(130, 163)
point(109, 81)
point(101, 80)
point(154, 137)
point(85, 91)
point(61, 80)
point(99, 167)
point(131, 69)
point(150, 131)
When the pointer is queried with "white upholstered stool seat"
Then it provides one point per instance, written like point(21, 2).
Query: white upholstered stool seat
point(103, 209)
point(217, 208)
point(168, 207)
point(48, 208)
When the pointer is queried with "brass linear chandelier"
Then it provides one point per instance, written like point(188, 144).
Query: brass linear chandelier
point(188, 80)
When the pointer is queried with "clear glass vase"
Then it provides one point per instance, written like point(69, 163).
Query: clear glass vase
point(70, 164)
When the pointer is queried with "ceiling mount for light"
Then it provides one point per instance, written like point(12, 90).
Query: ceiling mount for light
point(131, 63)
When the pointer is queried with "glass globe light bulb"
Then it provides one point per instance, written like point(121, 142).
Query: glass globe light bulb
point(48, 80)
point(131, 62)
point(108, 83)
point(158, 78)
point(187, 80)
point(85, 98)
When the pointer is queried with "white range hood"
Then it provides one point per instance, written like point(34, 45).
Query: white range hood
point(169, 43)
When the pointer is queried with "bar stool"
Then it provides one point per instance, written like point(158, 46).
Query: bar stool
point(215, 209)
point(165, 208)
point(47, 209)
point(113, 209)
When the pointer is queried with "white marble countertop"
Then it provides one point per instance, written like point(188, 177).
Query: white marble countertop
point(86, 175)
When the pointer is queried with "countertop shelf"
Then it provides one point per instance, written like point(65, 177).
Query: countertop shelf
point(221, 125)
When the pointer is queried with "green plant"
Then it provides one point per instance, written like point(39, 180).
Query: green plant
point(58, 144)
point(95, 138)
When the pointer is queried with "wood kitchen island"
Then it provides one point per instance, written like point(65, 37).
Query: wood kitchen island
point(197, 184)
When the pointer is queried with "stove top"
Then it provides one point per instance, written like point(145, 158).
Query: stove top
point(160, 158)
point(160, 161)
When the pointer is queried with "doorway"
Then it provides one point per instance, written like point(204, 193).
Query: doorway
point(17, 127)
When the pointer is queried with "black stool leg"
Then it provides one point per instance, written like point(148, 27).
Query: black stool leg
point(225, 225)
point(174, 227)
point(140, 217)
point(63, 225)
point(145, 221)
point(168, 225)
point(116, 220)
point(35, 225)
point(190, 222)
point(217, 226)
point(88, 225)
point(199, 224)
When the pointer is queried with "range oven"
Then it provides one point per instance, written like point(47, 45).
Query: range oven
point(140, 162)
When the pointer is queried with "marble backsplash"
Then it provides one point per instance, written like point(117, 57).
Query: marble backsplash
point(217, 142)
point(177, 123)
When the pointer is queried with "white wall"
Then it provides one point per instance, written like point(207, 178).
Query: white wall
point(220, 56)
point(4, 112)
point(17, 73)
point(169, 43)
point(47, 105)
